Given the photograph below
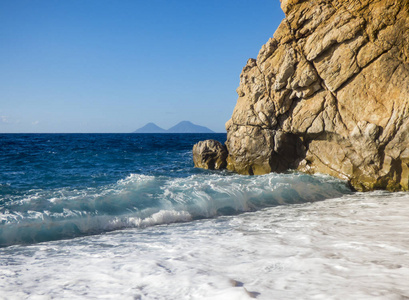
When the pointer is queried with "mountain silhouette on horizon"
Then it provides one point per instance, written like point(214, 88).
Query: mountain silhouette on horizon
point(150, 128)
point(181, 127)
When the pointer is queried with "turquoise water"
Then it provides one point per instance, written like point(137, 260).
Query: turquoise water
point(57, 186)
point(127, 216)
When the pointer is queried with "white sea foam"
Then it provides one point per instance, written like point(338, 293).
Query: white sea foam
point(161, 217)
point(141, 201)
point(353, 247)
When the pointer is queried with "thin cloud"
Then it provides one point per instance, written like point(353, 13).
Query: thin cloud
point(4, 120)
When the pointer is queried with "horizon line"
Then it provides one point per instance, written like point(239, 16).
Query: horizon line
point(110, 133)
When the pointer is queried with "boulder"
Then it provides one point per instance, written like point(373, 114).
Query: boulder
point(329, 93)
point(210, 154)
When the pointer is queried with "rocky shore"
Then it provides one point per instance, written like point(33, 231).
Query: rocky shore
point(329, 93)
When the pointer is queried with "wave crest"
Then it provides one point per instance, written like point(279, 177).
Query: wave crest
point(141, 201)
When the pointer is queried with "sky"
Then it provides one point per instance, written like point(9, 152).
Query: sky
point(114, 65)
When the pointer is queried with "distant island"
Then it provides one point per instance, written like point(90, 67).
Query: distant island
point(182, 127)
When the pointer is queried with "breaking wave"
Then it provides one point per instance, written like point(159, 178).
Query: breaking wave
point(139, 201)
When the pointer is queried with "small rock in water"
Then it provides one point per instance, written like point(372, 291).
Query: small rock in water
point(210, 154)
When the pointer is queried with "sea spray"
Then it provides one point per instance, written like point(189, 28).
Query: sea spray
point(352, 247)
point(142, 200)
point(98, 203)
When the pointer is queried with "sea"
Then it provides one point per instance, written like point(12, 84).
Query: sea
point(128, 216)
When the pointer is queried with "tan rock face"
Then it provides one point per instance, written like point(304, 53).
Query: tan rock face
point(330, 94)
point(209, 154)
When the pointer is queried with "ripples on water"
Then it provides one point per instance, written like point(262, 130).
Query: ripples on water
point(143, 223)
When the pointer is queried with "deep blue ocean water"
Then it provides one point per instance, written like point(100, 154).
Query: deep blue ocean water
point(127, 216)
point(56, 186)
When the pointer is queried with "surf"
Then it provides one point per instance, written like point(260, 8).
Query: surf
point(140, 201)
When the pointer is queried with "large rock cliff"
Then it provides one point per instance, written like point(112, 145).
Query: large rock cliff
point(329, 94)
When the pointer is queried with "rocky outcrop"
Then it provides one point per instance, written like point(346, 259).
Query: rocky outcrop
point(329, 94)
point(210, 154)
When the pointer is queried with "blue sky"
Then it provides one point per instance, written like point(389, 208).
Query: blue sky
point(115, 65)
